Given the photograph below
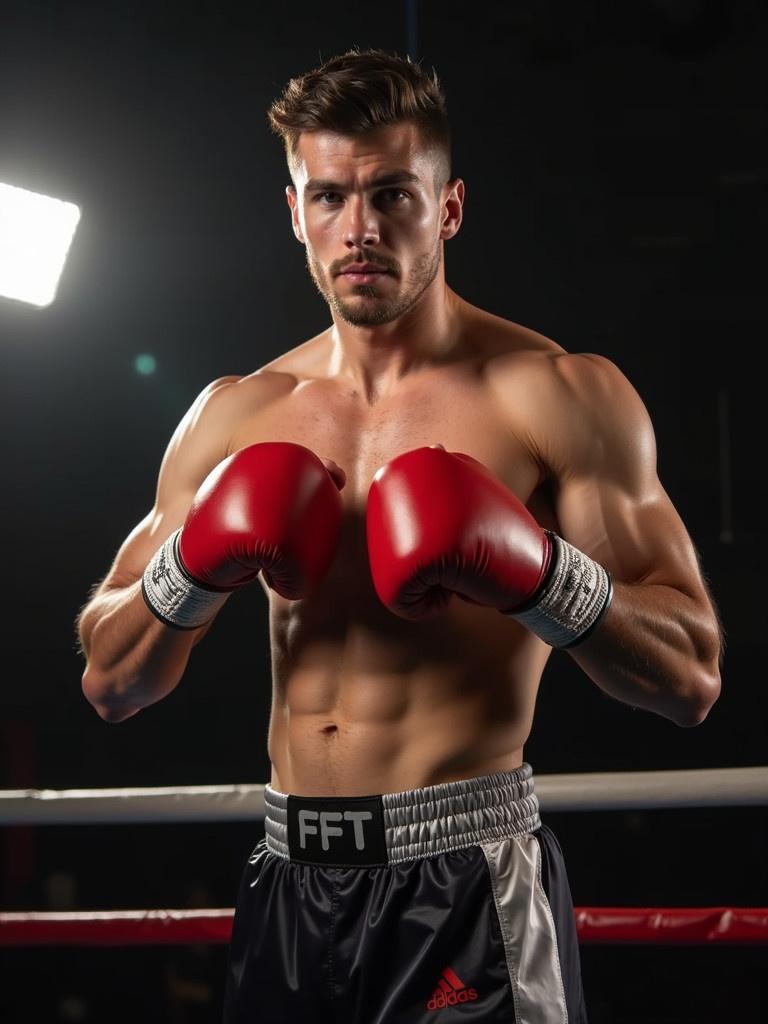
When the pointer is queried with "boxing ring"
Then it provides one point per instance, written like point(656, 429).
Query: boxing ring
point(699, 788)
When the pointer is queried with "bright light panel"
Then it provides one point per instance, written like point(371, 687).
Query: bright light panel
point(36, 232)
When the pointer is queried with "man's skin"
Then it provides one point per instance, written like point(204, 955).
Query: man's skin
point(365, 701)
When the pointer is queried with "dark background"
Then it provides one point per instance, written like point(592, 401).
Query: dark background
point(616, 175)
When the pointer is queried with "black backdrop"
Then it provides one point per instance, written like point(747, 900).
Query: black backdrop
point(615, 166)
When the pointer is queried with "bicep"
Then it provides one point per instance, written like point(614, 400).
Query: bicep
point(637, 539)
point(609, 500)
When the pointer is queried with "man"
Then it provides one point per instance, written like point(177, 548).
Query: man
point(432, 498)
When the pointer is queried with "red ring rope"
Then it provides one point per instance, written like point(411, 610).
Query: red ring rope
point(646, 925)
point(116, 928)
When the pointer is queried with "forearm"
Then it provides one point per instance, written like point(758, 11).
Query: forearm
point(658, 649)
point(132, 658)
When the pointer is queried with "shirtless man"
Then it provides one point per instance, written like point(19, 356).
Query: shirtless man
point(436, 497)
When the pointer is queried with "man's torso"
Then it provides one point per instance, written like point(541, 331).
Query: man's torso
point(364, 701)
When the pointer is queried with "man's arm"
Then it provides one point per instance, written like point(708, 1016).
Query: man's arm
point(659, 644)
point(132, 658)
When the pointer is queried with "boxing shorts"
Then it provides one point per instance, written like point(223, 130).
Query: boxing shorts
point(441, 904)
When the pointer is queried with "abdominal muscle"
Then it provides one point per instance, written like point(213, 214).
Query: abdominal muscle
point(343, 726)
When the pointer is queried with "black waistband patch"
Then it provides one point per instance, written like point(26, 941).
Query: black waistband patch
point(337, 831)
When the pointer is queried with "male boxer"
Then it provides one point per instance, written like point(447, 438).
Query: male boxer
point(433, 499)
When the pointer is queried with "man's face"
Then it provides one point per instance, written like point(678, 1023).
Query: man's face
point(370, 200)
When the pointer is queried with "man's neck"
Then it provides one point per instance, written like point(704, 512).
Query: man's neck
point(376, 359)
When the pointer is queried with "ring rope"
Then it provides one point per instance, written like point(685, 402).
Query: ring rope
point(595, 925)
point(585, 791)
point(589, 791)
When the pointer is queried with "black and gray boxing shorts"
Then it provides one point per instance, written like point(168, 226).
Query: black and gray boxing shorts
point(442, 904)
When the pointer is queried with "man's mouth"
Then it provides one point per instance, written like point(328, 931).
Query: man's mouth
point(364, 273)
point(364, 268)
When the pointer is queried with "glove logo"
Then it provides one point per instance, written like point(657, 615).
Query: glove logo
point(160, 568)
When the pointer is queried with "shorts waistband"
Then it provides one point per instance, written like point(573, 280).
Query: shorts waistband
point(393, 827)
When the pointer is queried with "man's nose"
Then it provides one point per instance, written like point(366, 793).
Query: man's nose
point(361, 226)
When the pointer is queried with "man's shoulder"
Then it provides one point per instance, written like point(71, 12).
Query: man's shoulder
point(560, 400)
point(584, 386)
point(223, 404)
point(514, 351)
point(506, 347)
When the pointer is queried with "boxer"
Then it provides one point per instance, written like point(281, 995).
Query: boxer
point(433, 499)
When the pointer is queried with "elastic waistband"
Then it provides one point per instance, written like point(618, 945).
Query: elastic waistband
point(395, 827)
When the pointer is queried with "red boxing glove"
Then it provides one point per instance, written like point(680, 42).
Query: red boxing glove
point(271, 507)
point(440, 523)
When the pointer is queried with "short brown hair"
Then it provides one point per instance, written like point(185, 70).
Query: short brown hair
point(361, 90)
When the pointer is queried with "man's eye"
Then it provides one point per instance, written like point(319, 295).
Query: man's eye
point(389, 194)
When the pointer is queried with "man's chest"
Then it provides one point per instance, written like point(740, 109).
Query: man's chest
point(333, 421)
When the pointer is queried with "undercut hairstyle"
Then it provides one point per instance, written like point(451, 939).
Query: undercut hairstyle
point(361, 90)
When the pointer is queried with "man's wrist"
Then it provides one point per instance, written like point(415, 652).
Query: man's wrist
point(172, 595)
point(573, 599)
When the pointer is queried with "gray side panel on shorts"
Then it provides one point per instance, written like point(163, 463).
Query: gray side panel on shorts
point(528, 930)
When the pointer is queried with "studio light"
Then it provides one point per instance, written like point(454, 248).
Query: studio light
point(36, 232)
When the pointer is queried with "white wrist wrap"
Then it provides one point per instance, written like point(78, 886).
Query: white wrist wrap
point(171, 595)
point(577, 593)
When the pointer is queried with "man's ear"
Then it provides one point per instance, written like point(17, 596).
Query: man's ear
point(453, 208)
point(293, 202)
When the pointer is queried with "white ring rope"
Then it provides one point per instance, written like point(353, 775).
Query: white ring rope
point(590, 791)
